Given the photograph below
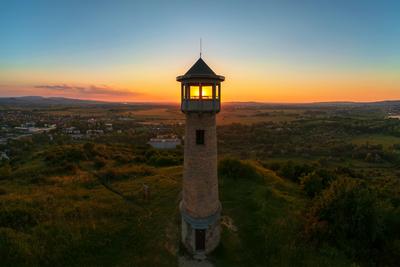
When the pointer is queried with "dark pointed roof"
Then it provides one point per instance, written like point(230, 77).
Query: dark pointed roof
point(200, 70)
point(200, 67)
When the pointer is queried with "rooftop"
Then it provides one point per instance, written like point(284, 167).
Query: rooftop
point(200, 69)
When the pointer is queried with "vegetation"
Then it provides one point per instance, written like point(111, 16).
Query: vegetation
point(72, 219)
point(299, 187)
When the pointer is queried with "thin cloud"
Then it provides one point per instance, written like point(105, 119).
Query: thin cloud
point(87, 90)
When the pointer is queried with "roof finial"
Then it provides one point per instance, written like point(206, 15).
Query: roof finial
point(200, 48)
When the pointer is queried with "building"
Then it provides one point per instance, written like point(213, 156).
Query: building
point(108, 126)
point(200, 206)
point(164, 142)
point(70, 130)
point(35, 130)
point(94, 132)
point(3, 156)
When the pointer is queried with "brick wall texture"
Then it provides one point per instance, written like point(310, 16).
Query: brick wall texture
point(200, 179)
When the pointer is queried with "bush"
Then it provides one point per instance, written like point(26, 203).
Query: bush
point(236, 169)
point(5, 171)
point(160, 158)
point(65, 154)
point(294, 171)
point(162, 161)
point(123, 158)
point(113, 174)
point(275, 166)
point(346, 215)
point(89, 149)
point(18, 217)
point(99, 162)
point(312, 184)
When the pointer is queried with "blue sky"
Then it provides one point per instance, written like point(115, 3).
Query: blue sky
point(104, 42)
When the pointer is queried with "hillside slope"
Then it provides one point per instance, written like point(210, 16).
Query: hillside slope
point(268, 214)
point(74, 220)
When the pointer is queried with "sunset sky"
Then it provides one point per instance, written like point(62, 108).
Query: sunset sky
point(269, 51)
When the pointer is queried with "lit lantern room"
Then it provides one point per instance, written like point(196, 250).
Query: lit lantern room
point(200, 89)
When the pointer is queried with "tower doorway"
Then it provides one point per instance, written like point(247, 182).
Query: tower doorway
point(200, 239)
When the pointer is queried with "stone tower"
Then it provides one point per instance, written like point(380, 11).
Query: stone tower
point(200, 207)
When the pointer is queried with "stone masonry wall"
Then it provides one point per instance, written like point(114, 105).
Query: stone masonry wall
point(200, 180)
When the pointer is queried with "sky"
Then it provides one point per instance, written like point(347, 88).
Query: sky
point(269, 51)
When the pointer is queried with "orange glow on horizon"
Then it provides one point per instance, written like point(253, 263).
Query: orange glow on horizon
point(243, 83)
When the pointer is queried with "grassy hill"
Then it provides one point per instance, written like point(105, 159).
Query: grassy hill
point(74, 220)
point(268, 213)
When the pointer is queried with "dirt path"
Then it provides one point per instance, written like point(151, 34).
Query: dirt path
point(188, 262)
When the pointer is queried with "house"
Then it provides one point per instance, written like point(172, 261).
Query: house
point(163, 142)
point(94, 132)
point(109, 126)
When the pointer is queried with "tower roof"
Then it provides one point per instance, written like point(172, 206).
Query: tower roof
point(200, 70)
point(200, 67)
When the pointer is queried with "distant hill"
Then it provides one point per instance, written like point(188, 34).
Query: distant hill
point(63, 101)
point(45, 101)
point(386, 103)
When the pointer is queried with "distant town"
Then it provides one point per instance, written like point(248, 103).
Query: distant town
point(77, 126)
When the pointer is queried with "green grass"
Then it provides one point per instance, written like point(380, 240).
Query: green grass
point(268, 216)
point(80, 225)
point(75, 221)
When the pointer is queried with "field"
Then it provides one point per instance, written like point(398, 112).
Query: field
point(377, 139)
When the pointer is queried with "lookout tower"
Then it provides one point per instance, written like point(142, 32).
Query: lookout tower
point(200, 207)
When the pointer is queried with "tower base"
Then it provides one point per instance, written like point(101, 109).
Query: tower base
point(200, 236)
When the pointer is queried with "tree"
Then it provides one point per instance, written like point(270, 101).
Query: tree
point(236, 169)
point(346, 214)
point(312, 184)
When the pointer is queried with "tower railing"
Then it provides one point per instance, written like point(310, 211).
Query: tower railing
point(203, 105)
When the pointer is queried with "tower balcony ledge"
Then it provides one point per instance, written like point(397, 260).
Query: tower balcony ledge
point(201, 223)
point(201, 105)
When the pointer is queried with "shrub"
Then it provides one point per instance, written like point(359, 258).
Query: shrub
point(236, 169)
point(5, 171)
point(347, 171)
point(312, 184)
point(123, 158)
point(274, 166)
point(65, 154)
point(162, 160)
point(113, 174)
point(89, 149)
point(99, 162)
point(346, 214)
point(18, 218)
point(294, 171)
